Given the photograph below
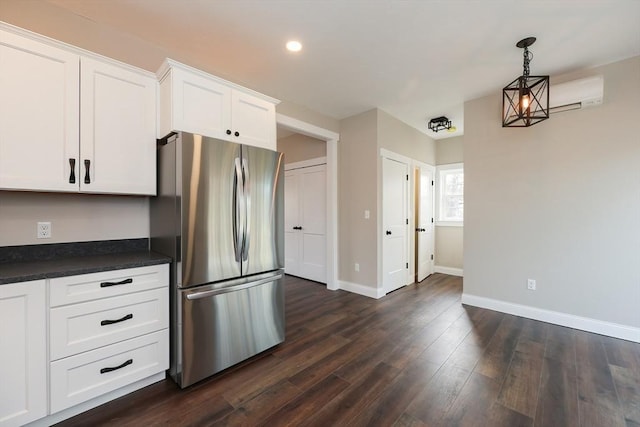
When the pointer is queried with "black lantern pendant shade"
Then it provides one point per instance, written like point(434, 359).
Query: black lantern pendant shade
point(525, 101)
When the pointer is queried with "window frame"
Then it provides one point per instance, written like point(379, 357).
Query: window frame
point(441, 171)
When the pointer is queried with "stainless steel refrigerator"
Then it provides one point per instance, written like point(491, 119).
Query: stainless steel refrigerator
point(219, 216)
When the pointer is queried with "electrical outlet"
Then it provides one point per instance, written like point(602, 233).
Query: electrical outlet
point(531, 284)
point(367, 214)
point(44, 230)
point(356, 266)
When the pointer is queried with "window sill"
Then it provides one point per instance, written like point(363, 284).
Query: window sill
point(449, 224)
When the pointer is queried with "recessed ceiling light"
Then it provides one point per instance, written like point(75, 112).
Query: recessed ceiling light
point(294, 46)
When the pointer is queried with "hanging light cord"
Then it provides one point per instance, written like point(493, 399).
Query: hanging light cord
point(528, 56)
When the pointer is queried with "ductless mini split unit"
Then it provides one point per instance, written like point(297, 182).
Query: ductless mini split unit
point(576, 94)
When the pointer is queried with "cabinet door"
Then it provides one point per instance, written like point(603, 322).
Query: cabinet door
point(117, 130)
point(23, 354)
point(200, 105)
point(39, 115)
point(254, 120)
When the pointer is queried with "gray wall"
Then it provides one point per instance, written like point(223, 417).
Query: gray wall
point(357, 191)
point(299, 147)
point(361, 138)
point(449, 239)
point(397, 136)
point(558, 202)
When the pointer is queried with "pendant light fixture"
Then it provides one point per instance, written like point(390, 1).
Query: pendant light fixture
point(525, 101)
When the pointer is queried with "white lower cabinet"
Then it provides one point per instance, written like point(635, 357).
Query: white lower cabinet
point(84, 376)
point(107, 330)
point(108, 335)
point(23, 353)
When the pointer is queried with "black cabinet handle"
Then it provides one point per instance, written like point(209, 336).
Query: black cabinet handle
point(388, 233)
point(115, 368)
point(72, 175)
point(87, 166)
point(111, 322)
point(236, 133)
point(228, 131)
point(123, 282)
point(297, 228)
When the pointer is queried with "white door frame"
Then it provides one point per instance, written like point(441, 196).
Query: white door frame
point(331, 138)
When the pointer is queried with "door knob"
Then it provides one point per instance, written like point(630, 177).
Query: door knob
point(388, 233)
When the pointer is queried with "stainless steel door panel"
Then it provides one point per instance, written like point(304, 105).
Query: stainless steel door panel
point(208, 221)
point(221, 328)
point(264, 192)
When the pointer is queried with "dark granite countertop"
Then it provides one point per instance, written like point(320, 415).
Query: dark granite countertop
point(70, 264)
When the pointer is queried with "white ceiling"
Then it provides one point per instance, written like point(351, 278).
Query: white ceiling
point(413, 59)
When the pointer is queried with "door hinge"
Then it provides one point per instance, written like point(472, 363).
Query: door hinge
point(431, 257)
point(407, 221)
point(407, 177)
point(431, 220)
point(431, 182)
point(407, 265)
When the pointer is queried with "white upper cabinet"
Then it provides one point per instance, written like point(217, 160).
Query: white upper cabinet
point(253, 120)
point(197, 102)
point(117, 129)
point(72, 121)
point(39, 114)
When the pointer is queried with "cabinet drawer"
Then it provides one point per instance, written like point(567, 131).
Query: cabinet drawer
point(82, 377)
point(86, 287)
point(82, 327)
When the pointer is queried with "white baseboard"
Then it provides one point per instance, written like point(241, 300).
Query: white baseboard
point(356, 288)
point(615, 330)
point(448, 270)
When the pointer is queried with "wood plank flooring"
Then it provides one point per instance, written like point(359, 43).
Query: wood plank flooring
point(417, 357)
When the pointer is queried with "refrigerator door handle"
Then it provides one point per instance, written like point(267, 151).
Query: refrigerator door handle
point(210, 293)
point(238, 211)
point(247, 207)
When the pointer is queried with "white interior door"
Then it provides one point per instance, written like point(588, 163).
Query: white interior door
point(395, 223)
point(291, 220)
point(305, 223)
point(424, 223)
point(313, 195)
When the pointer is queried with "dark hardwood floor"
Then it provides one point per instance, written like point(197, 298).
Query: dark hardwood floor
point(417, 357)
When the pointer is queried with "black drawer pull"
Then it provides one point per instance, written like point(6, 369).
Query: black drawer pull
point(111, 322)
point(72, 175)
point(123, 282)
point(87, 166)
point(115, 368)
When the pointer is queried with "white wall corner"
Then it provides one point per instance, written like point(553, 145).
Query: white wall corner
point(610, 329)
point(364, 290)
point(451, 271)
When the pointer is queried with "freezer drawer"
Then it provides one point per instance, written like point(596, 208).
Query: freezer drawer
point(222, 326)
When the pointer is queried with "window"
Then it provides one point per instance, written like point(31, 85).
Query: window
point(450, 194)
